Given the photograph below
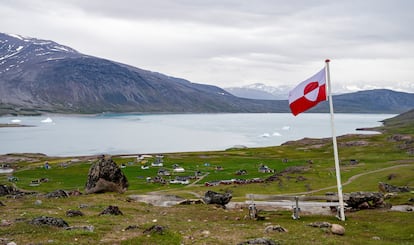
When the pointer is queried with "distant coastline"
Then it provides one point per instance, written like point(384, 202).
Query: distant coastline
point(13, 125)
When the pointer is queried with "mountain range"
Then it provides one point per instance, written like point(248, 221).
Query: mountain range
point(260, 91)
point(38, 76)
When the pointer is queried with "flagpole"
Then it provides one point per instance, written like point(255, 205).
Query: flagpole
point(341, 212)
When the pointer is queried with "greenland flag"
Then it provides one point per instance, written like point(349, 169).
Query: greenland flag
point(308, 93)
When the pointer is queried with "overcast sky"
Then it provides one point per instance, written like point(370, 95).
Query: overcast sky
point(234, 42)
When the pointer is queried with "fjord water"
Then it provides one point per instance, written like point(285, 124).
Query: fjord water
point(62, 135)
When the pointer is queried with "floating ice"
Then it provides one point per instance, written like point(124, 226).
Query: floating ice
point(276, 134)
point(47, 120)
point(16, 121)
point(286, 127)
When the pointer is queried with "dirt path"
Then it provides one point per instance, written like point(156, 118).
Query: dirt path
point(199, 179)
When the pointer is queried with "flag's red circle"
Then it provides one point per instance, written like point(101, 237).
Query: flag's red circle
point(311, 91)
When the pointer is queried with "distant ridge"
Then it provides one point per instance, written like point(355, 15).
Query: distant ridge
point(371, 101)
point(39, 76)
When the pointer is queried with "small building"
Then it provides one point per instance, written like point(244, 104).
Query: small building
point(163, 172)
point(265, 169)
point(158, 161)
point(178, 170)
point(180, 180)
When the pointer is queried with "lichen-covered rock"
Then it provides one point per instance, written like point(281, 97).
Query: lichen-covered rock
point(106, 176)
point(51, 221)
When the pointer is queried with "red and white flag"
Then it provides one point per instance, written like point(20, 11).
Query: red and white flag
point(308, 93)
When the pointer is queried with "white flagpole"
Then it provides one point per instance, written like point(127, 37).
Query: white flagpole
point(341, 212)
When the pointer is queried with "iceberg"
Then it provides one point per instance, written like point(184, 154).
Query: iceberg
point(265, 135)
point(47, 120)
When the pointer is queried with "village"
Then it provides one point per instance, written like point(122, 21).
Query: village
point(176, 174)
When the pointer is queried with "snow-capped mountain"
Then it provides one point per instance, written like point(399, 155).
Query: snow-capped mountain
point(260, 91)
point(42, 75)
point(17, 51)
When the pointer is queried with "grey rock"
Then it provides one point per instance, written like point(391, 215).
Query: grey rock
point(320, 224)
point(259, 241)
point(357, 200)
point(275, 228)
point(155, 229)
point(89, 228)
point(73, 213)
point(211, 197)
point(106, 176)
point(387, 188)
point(57, 194)
point(51, 221)
point(111, 210)
point(337, 229)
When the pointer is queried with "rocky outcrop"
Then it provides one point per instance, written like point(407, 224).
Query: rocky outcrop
point(387, 188)
point(365, 200)
point(106, 176)
point(6, 190)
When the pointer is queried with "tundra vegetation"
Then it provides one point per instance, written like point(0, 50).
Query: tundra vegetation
point(305, 166)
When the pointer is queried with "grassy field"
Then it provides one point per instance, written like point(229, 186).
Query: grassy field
point(380, 158)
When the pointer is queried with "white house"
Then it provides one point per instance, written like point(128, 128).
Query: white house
point(178, 170)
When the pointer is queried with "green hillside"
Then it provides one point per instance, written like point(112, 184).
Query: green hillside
point(304, 167)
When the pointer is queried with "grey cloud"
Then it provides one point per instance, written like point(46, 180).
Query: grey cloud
point(232, 41)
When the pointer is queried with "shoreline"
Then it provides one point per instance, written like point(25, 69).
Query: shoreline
point(14, 125)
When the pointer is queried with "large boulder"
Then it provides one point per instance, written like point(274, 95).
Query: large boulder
point(6, 190)
point(211, 197)
point(337, 229)
point(106, 176)
point(363, 200)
